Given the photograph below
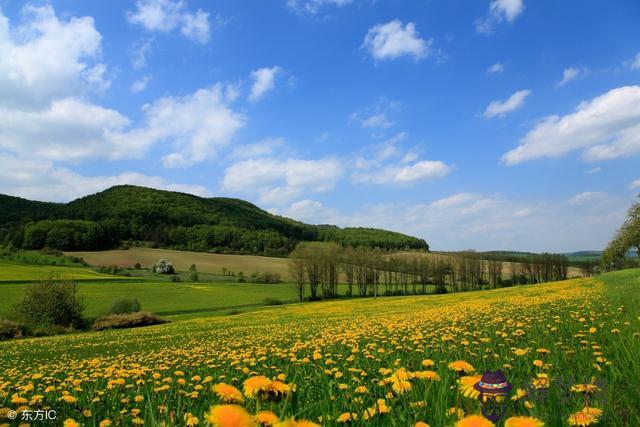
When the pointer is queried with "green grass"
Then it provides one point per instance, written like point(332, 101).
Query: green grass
point(12, 271)
point(167, 298)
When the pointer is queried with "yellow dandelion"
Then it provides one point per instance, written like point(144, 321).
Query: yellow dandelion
point(228, 393)
point(346, 417)
point(523, 422)
point(266, 418)
point(461, 366)
point(229, 416)
point(474, 421)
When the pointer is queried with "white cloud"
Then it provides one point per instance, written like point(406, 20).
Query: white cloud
point(499, 11)
point(42, 180)
point(264, 80)
point(45, 58)
point(309, 210)
point(377, 121)
point(570, 74)
point(167, 15)
point(585, 198)
point(140, 84)
point(314, 6)
point(392, 40)
point(263, 148)
point(424, 170)
point(635, 184)
point(196, 125)
point(593, 171)
point(606, 127)
point(635, 62)
point(501, 108)
point(276, 181)
point(72, 130)
point(139, 52)
point(497, 68)
point(485, 221)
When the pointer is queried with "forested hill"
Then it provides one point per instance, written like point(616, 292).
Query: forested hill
point(170, 219)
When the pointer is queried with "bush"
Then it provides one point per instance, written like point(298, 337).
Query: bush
point(51, 302)
point(272, 301)
point(130, 320)
point(175, 278)
point(10, 330)
point(124, 306)
point(163, 266)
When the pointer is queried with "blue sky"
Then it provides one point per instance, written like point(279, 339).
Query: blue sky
point(497, 124)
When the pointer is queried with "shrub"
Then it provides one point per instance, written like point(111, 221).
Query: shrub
point(163, 266)
point(273, 301)
point(193, 273)
point(174, 278)
point(51, 302)
point(10, 329)
point(137, 266)
point(129, 320)
point(124, 306)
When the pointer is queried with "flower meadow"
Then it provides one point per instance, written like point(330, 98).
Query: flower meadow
point(570, 349)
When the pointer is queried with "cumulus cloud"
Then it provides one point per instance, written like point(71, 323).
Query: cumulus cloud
point(635, 184)
point(403, 174)
point(387, 163)
point(499, 11)
point(42, 180)
point(484, 221)
point(139, 52)
point(570, 74)
point(195, 125)
point(45, 58)
point(263, 148)
point(264, 80)
point(501, 108)
point(140, 84)
point(276, 181)
point(314, 6)
point(605, 127)
point(72, 130)
point(635, 62)
point(168, 15)
point(585, 197)
point(393, 40)
point(497, 68)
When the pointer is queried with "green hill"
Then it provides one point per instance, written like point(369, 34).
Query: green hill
point(174, 220)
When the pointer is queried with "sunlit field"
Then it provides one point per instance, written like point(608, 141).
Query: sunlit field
point(569, 348)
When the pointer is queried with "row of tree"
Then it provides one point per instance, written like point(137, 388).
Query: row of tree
point(321, 267)
point(626, 238)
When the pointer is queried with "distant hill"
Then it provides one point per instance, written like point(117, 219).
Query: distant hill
point(171, 219)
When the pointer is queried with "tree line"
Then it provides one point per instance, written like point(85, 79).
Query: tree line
point(626, 238)
point(319, 268)
point(130, 215)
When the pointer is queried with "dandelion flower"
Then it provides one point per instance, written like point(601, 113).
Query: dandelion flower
point(474, 421)
point(254, 385)
point(461, 366)
point(523, 422)
point(229, 416)
point(228, 393)
point(266, 418)
point(347, 416)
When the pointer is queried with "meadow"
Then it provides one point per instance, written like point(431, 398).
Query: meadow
point(569, 348)
point(11, 271)
point(182, 260)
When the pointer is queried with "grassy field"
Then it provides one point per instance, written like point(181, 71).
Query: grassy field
point(11, 271)
point(569, 348)
point(205, 262)
point(166, 298)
